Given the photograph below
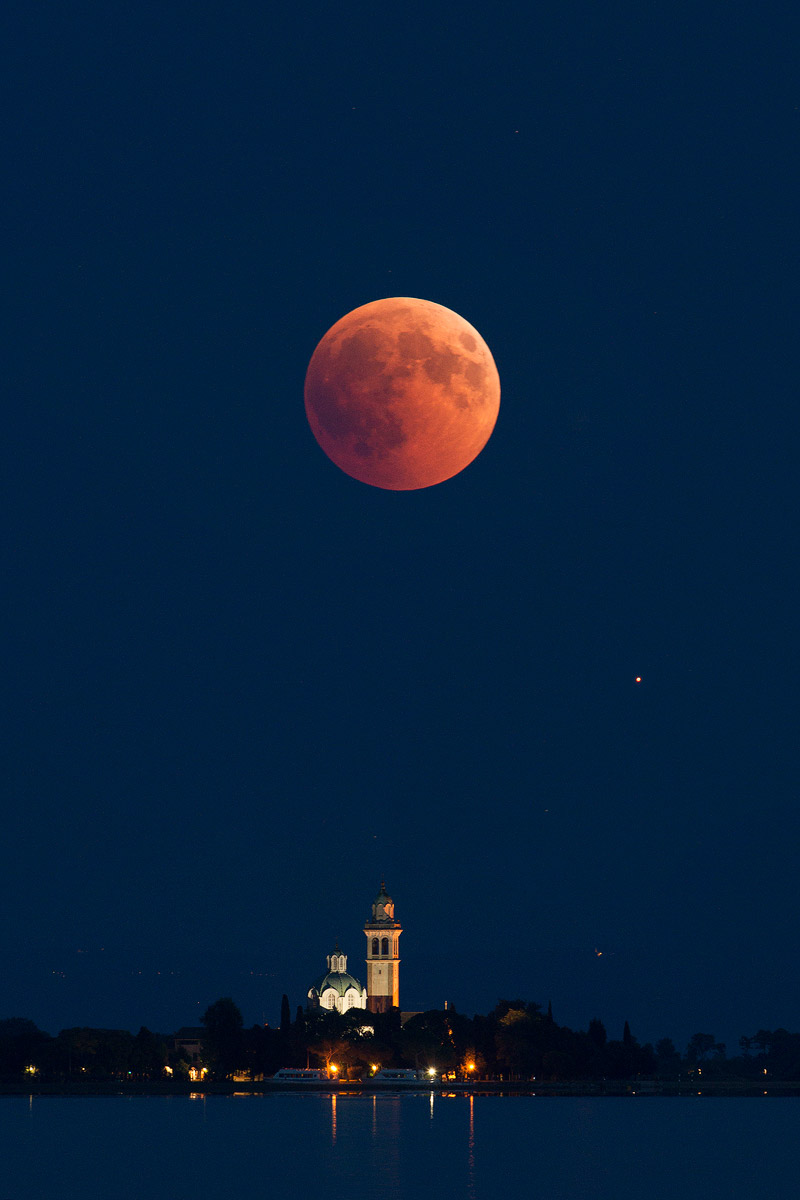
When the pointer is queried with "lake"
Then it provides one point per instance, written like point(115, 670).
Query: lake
point(397, 1147)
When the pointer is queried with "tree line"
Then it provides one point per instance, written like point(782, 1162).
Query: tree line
point(516, 1040)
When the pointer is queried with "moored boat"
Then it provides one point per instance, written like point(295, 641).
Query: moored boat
point(399, 1077)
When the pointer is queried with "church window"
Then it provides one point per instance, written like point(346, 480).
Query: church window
point(351, 999)
point(375, 950)
point(330, 1000)
point(385, 946)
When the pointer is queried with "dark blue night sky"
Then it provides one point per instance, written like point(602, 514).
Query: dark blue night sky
point(240, 687)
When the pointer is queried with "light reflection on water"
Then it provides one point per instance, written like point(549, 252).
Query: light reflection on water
point(397, 1146)
point(471, 1150)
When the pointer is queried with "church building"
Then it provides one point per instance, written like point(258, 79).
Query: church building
point(338, 990)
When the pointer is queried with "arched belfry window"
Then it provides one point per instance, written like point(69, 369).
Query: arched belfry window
point(375, 948)
point(385, 947)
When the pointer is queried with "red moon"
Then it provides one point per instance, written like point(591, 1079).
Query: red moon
point(402, 393)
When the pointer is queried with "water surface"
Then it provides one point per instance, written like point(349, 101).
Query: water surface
point(397, 1147)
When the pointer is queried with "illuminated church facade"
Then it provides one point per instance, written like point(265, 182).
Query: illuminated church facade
point(339, 990)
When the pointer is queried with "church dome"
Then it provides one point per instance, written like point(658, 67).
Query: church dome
point(340, 981)
point(337, 988)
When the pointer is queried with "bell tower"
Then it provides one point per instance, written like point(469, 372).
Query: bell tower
point(383, 961)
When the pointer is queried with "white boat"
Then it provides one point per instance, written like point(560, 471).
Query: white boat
point(301, 1075)
point(399, 1077)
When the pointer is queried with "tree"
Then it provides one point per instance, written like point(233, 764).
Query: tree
point(778, 1052)
point(522, 1039)
point(148, 1055)
point(100, 1053)
point(22, 1044)
point(504, 1006)
point(223, 1041)
point(761, 1041)
point(473, 1064)
point(668, 1060)
point(437, 1038)
point(597, 1033)
point(331, 1035)
point(286, 1014)
point(264, 1051)
point(333, 1051)
point(701, 1046)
